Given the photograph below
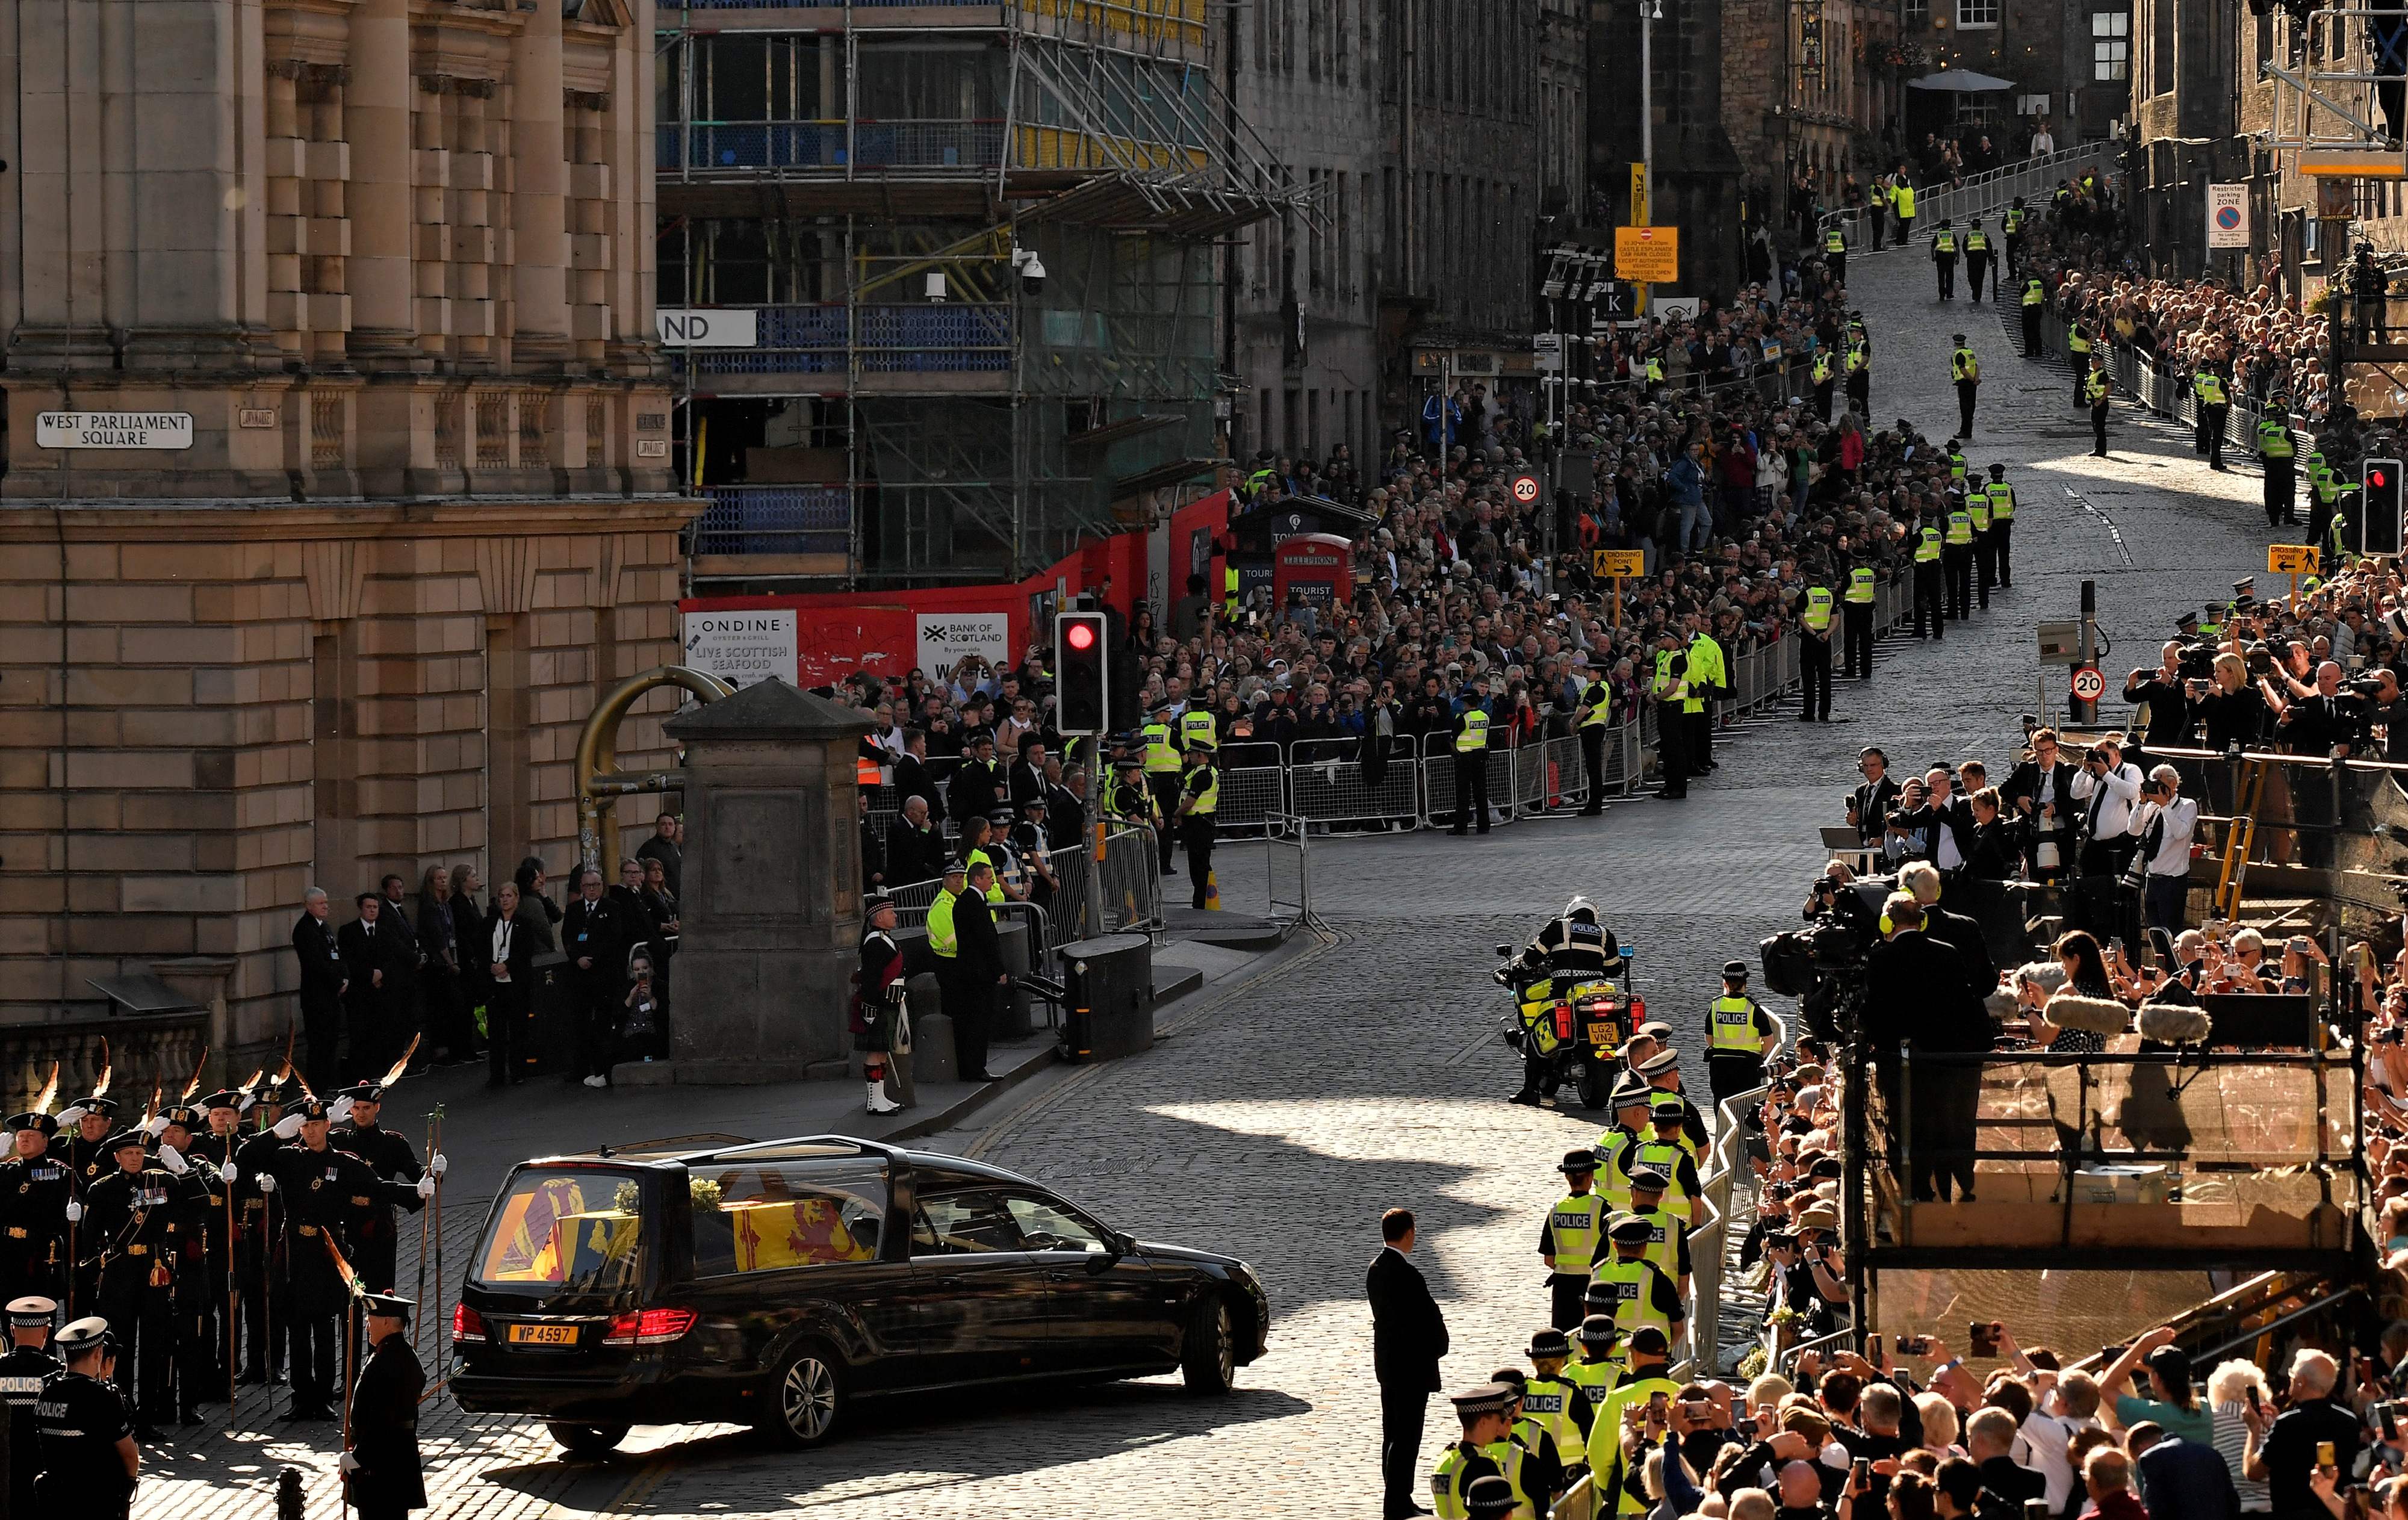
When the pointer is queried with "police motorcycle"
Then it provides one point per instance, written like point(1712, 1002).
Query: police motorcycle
point(1574, 1005)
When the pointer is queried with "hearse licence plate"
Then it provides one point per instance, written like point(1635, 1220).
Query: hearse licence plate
point(543, 1335)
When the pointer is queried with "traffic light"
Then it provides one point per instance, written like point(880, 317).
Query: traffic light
point(1078, 672)
point(2378, 508)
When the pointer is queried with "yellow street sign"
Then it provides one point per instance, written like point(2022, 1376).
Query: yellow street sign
point(1652, 254)
point(2291, 559)
point(1618, 562)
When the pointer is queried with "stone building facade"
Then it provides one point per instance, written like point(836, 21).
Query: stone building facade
point(368, 288)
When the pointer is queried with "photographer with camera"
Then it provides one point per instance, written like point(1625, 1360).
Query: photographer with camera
point(2165, 692)
point(2108, 786)
point(2041, 791)
point(2167, 823)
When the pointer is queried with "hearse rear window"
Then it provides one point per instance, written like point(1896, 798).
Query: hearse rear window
point(579, 1231)
point(758, 1214)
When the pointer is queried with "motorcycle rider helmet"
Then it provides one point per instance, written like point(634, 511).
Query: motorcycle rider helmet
point(1581, 909)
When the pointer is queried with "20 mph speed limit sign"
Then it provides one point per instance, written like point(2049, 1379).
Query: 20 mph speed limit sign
point(2088, 684)
point(1526, 489)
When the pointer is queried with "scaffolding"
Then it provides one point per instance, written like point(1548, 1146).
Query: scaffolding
point(882, 188)
point(2340, 78)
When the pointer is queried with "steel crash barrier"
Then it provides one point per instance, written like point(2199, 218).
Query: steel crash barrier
point(2168, 394)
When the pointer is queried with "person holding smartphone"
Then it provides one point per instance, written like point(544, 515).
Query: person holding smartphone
point(2319, 1430)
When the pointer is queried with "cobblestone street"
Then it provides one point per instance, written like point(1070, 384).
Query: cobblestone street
point(1289, 1107)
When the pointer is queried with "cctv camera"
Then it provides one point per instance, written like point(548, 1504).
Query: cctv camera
point(1031, 267)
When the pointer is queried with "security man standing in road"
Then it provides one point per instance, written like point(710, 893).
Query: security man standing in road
point(1554, 1402)
point(1670, 690)
point(1931, 590)
point(1977, 256)
point(1740, 1037)
point(1857, 615)
point(1986, 563)
point(1709, 676)
point(1598, 1366)
point(2035, 302)
point(1472, 757)
point(2208, 387)
point(1957, 559)
point(2276, 450)
point(1901, 202)
point(1572, 1239)
point(1162, 774)
point(1486, 1413)
point(2014, 219)
point(2095, 391)
point(1966, 372)
point(1835, 254)
point(89, 1463)
point(2077, 353)
point(1198, 728)
point(1594, 717)
point(1827, 378)
point(1814, 610)
point(23, 1369)
point(1197, 807)
point(1129, 796)
point(1859, 367)
point(2003, 523)
point(1944, 260)
point(1645, 1296)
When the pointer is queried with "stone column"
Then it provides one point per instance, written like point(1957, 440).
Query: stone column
point(771, 909)
point(377, 105)
point(540, 186)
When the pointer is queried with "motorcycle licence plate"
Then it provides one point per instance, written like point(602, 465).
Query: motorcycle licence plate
point(543, 1335)
point(1601, 1036)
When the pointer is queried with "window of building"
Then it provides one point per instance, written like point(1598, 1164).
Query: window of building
point(1976, 13)
point(2161, 48)
point(1918, 12)
point(2110, 46)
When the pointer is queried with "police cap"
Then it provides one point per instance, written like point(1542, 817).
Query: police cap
point(1597, 1330)
point(1958, 339)
point(1598, 1298)
point(1548, 1343)
point(1671, 1106)
point(955, 867)
point(1652, 1030)
point(1489, 1496)
point(1999, 470)
point(81, 1335)
point(1629, 1229)
point(1649, 1179)
point(1513, 1378)
point(1648, 1340)
point(1734, 970)
point(1630, 1092)
point(1662, 1061)
point(1578, 1162)
point(1483, 1398)
point(32, 1312)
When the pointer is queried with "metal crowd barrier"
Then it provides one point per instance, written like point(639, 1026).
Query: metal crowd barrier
point(1980, 194)
point(2170, 395)
point(1326, 783)
point(1254, 786)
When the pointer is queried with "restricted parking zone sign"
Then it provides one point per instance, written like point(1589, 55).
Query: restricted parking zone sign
point(1526, 489)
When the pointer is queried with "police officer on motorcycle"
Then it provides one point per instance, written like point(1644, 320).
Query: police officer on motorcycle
point(1575, 944)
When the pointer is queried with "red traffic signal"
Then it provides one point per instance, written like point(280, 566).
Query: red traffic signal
point(1081, 705)
point(1079, 635)
point(2377, 479)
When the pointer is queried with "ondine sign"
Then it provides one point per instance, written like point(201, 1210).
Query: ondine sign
point(113, 430)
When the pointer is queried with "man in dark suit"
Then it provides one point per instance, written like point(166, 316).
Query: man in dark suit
point(1869, 809)
point(366, 950)
point(1028, 773)
point(595, 938)
point(1959, 932)
point(1916, 989)
point(1408, 1339)
point(912, 775)
point(915, 850)
point(979, 971)
point(322, 983)
point(2039, 792)
point(399, 924)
